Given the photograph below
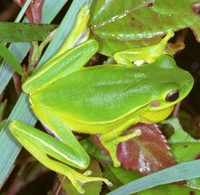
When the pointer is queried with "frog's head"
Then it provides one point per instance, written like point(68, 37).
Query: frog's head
point(173, 84)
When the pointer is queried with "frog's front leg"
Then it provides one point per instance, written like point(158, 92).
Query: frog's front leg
point(139, 56)
point(46, 148)
point(111, 139)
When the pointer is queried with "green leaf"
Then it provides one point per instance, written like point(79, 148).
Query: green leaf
point(2, 109)
point(2, 123)
point(183, 147)
point(92, 149)
point(119, 175)
point(10, 59)
point(19, 32)
point(93, 188)
point(118, 25)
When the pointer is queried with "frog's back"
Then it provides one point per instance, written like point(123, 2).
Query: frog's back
point(104, 93)
point(94, 94)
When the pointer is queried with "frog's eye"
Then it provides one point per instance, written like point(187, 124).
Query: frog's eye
point(172, 96)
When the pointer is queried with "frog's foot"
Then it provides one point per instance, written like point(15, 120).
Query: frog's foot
point(111, 145)
point(78, 179)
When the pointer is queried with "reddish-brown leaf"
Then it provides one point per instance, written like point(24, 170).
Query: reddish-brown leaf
point(33, 12)
point(145, 154)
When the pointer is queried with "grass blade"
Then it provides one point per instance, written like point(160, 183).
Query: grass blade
point(176, 173)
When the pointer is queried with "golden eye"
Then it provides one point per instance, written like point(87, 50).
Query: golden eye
point(172, 96)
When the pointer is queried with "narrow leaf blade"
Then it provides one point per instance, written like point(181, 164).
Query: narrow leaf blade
point(19, 32)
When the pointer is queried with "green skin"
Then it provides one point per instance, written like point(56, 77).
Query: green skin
point(97, 100)
point(106, 100)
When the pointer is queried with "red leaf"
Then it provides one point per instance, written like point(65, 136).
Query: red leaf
point(33, 12)
point(145, 154)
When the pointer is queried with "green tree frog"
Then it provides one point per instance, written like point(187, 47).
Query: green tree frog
point(103, 99)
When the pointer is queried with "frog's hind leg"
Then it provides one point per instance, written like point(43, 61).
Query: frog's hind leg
point(61, 155)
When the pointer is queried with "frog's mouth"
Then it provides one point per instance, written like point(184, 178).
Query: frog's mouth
point(155, 116)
